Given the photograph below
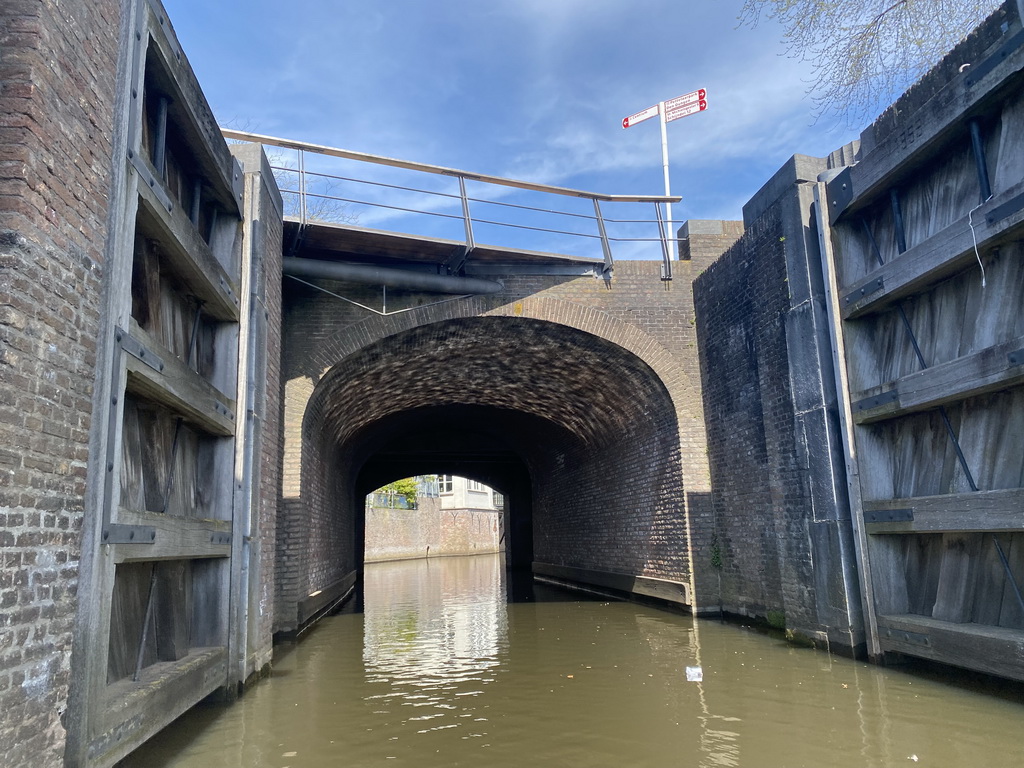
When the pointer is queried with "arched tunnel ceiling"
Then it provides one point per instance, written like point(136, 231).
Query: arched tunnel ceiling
point(514, 380)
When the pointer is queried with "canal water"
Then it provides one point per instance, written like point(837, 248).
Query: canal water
point(440, 666)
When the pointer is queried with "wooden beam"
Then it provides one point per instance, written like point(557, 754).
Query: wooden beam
point(960, 512)
point(993, 650)
point(928, 129)
point(194, 119)
point(133, 712)
point(178, 387)
point(944, 253)
point(189, 255)
point(992, 369)
point(177, 538)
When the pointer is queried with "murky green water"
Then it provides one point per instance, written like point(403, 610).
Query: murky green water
point(439, 670)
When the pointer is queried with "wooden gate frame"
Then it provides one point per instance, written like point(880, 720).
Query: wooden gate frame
point(107, 721)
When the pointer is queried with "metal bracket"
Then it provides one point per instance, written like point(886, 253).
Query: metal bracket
point(456, 262)
point(219, 537)
point(889, 516)
point(1000, 212)
point(132, 346)
point(869, 288)
point(237, 183)
point(1016, 358)
point(839, 193)
point(116, 533)
point(915, 638)
point(978, 71)
point(869, 403)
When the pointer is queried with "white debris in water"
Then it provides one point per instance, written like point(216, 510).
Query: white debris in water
point(694, 674)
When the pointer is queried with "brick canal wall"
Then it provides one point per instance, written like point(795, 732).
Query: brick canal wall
point(783, 537)
point(57, 75)
point(429, 531)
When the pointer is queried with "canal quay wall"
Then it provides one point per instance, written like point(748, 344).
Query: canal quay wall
point(57, 101)
point(188, 442)
point(430, 531)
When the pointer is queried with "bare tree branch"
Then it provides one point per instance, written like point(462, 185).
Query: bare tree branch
point(865, 53)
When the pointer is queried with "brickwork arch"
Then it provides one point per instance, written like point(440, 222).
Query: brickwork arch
point(300, 397)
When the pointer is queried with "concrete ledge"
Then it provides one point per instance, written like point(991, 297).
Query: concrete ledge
point(661, 589)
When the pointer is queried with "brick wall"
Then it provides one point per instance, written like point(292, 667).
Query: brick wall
point(781, 517)
point(55, 164)
point(429, 531)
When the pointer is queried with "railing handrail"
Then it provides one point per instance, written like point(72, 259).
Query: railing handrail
point(348, 154)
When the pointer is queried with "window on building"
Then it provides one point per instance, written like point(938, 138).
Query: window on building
point(498, 500)
point(444, 483)
point(473, 485)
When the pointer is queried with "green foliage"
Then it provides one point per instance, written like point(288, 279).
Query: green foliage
point(776, 619)
point(865, 53)
point(405, 487)
point(716, 554)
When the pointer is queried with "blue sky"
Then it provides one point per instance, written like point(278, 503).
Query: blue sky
point(530, 89)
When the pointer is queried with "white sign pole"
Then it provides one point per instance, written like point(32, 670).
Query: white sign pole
point(681, 106)
point(664, 163)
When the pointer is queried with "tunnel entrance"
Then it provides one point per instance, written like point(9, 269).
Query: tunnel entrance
point(578, 433)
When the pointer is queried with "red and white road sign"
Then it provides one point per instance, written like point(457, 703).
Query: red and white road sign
point(681, 106)
point(639, 117)
point(690, 109)
point(686, 99)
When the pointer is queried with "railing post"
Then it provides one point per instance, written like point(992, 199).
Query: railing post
point(466, 218)
point(605, 245)
point(302, 188)
point(666, 257)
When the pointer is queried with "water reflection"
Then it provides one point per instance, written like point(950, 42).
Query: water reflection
point(433, 637)
point(440, 670)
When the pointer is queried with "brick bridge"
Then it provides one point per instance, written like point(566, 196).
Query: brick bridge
point(812, 417)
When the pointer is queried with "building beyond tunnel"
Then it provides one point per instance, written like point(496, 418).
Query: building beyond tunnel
point(816, 422)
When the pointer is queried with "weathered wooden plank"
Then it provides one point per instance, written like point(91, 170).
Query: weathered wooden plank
point(933, 125)
point(1001, 510)
point(179, 388)
point(133, 481)
point(172, 609)
point(189, 255)
point(958, 576)
point(990, 370)
point(1012, 614)
point(941, 255)
point(923, 559)
point(888, 574)
point(131, 713)
point(993, 650)
point(177, 538)
point(210, 582)
point(127, 620)
point(191, 112)
point(840, 355)
point(988, 595)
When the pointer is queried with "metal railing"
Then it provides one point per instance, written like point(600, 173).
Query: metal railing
point(322, 195)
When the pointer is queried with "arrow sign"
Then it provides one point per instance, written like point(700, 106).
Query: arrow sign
point(690, 109)
point(686, 99)
point(639, 117)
